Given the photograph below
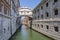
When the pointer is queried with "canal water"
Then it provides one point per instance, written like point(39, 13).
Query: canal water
point(27, 34)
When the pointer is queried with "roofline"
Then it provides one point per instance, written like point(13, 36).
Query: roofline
point(43, 1)
point(25, 8)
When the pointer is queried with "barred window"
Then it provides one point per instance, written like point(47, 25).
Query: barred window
point(56, 12)
point(47, 26)
point(56, 28)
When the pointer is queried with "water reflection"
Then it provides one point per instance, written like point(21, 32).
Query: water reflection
point(28, 34)
point(24, 32)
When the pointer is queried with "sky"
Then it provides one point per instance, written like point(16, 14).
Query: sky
point(29, 3)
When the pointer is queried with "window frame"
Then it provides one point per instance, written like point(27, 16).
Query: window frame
point(56, 12)
point(47, 4)
point(56, 28)
point(47, 26)
point(41, 26)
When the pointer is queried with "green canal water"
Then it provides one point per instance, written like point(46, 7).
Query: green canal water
point(28, 34)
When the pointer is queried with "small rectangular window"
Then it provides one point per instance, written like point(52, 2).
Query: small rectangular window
point(46, 4)
point(47, 26)
point(42, 16)
point(47, 14)
point(41, 7)
point(56, 12)
point(38, 10)
point(41, 26)
point(56, 28)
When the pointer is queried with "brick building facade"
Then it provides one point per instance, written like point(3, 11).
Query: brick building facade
point(6, 18)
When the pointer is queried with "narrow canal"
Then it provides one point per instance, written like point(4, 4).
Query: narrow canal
point(28, 34)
